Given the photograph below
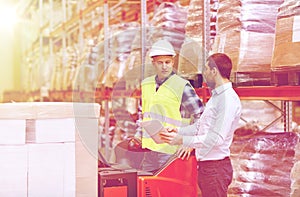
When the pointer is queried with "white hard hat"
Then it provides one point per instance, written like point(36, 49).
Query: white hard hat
point(162, 47)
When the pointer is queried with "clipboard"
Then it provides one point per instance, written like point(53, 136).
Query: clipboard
point(153, 127)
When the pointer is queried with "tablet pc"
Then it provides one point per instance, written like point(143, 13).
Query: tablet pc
point(153, 127)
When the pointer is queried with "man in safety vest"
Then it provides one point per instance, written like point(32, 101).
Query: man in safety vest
point(168, 98)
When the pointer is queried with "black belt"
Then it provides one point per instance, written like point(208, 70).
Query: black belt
point(213, 161)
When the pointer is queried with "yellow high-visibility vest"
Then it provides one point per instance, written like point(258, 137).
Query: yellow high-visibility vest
point(164, 105)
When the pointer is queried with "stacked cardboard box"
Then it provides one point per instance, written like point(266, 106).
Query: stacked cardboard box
point(48, 149)
point(287, 35)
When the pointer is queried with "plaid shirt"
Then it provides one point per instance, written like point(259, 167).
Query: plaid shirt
point(191, 106)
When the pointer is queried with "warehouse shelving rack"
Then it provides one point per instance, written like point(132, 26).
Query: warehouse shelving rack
point(272, 93)
point(74, 25)
point(285, 94)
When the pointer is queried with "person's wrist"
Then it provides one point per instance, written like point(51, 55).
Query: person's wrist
point(180, 139)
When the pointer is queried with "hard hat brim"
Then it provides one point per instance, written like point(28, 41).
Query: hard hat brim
point(161, 53)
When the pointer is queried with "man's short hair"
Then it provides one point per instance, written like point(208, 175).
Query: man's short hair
point(222, 62)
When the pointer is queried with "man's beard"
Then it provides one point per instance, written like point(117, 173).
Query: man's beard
point(211, 84)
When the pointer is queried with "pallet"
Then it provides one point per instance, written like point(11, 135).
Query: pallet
point(251, 78)
point(288, 75)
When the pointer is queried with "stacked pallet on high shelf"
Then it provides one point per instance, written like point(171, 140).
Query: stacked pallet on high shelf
point(246, 31)
point(286, 59)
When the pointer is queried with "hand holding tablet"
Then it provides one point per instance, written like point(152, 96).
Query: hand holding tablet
point(153, 128)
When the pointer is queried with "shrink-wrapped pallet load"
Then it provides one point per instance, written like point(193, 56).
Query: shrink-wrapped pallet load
point(191, 53)
point(90, 64)
point(92, 73)
point(133, 65)
point(56, 72)
point(228, 30)
point(120, 44)
point(69, 68)
point(287, 36)
point(263, 163)
point(49, 149)
point(295, 178)
point(168, 23)
point(257, 34)
point(245, 31)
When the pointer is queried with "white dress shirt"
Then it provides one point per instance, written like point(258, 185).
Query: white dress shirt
point(212, 134)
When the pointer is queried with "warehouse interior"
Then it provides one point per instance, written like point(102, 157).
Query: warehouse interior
point(70, 93)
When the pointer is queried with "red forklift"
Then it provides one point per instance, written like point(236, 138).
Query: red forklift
point(176, 177)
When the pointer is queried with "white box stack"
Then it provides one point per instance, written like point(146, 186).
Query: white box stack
point(49, 149)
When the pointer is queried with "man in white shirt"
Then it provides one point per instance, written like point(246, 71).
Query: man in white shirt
point(211, 136)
